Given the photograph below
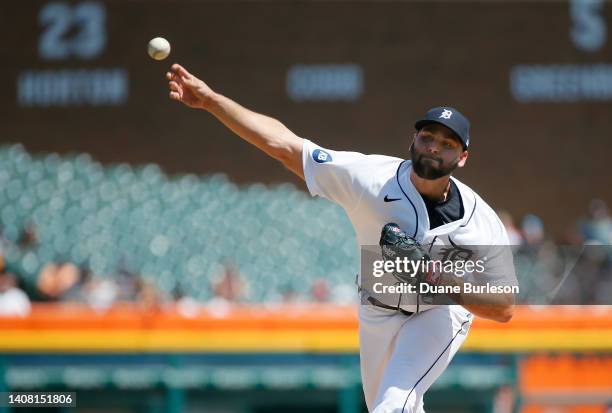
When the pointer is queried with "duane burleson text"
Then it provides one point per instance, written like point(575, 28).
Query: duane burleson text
point(465, 288)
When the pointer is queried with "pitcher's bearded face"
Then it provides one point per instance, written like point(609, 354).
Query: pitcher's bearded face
point(430, 167)
point(436, 152)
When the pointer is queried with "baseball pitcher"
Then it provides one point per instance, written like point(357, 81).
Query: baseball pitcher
point(405, 208)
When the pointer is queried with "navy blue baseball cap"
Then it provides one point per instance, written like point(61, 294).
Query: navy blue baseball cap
point(451, 118)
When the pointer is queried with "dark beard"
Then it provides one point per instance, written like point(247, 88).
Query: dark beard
point(425, 169)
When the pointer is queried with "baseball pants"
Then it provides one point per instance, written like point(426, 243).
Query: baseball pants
point(401, 356)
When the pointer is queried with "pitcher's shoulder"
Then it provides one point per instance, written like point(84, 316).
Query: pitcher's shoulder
point(375, 168)
point(480, 215)
point(383, 162)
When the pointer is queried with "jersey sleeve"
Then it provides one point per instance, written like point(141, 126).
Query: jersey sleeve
point(498, 258)
point(335, 175)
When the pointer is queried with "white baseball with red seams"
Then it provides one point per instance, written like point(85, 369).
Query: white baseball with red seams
point(158, 48)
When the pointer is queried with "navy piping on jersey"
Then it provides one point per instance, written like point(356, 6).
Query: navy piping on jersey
point(419, 293)
point(473, 210)
point(416, 228)
point(432, 243)
point(434, 363)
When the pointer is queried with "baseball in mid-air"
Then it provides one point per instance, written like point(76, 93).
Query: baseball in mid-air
point(158, 48)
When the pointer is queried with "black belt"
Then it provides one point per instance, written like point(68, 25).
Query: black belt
point(377, 303)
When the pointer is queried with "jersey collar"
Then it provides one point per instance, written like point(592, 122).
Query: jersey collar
point(414, 197)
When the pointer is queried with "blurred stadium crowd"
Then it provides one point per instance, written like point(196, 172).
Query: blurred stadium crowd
point(73, 230)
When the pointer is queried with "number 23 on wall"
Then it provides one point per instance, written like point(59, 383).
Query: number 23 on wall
point(72, 31)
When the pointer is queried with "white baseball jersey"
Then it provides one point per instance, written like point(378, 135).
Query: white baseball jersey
point(375, 190)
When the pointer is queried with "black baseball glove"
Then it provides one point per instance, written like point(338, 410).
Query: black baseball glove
point(394, 243)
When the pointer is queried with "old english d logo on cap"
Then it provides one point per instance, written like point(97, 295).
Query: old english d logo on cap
point(449, 117)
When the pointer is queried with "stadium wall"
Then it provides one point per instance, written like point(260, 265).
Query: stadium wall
point(348, 75)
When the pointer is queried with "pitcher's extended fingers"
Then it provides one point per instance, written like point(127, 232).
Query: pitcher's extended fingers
point(174, 86)
point(173, 76)
point(180, 70)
